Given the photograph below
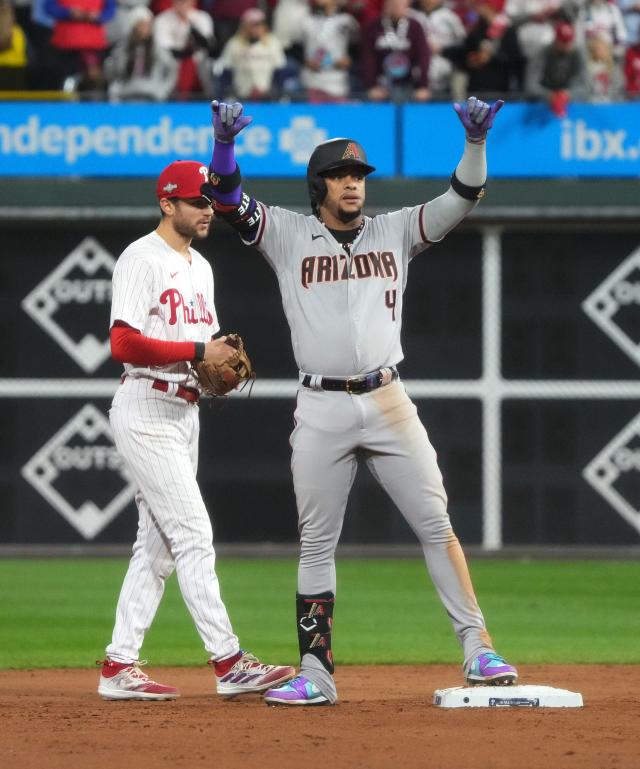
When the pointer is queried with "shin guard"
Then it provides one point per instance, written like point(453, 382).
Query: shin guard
point(315, 619)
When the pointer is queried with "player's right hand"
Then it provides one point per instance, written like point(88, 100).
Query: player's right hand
point(227, 120)
point(217, 352)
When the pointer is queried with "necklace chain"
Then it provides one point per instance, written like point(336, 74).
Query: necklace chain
point(349, 243)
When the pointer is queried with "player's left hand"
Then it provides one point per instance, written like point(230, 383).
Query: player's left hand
point(227, 120)
point(477, 117)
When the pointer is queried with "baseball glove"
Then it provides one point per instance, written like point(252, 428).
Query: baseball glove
point(220, 379)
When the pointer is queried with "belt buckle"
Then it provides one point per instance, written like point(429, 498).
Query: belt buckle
point(348, 386)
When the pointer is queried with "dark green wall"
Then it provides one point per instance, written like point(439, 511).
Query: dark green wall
point(505, 198)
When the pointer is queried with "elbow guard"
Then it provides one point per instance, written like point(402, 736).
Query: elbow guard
point(245, 217)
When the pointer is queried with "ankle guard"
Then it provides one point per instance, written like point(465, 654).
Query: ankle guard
point(315, 619)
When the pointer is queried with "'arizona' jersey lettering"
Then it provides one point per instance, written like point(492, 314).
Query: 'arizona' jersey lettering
point(344, 309)
point(321, 269)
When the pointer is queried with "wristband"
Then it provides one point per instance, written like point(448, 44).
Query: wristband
point(225, 182)
point(199, 354)
point(464, 190)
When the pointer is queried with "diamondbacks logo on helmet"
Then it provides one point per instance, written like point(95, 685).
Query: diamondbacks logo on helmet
point(351, 152)
point(330, 156)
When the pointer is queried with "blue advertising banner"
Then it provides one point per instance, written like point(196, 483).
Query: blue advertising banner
point(527, 140)
point(45, 139)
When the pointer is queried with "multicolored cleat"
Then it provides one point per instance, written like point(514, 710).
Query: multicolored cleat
point(248, 676)
point(491, 669)
point(299, 691)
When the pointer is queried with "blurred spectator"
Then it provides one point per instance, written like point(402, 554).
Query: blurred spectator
point(364, 11)
point(445, 32)
point(41, 69)
point(120, 25)
point(605, 82)
point(630, 10)
point(602, 18)
point(556, 74)
point(13, 51)
point(632, 70)
point(534, 21)
point(22, 15)
point(490, 57)
point(289, 19)
point(252, 60)
point(41, 25)
point(395, 56)
point(226, 16)
point(327, 37)
point(79, 41)
point(187, 33)
point(137, 67)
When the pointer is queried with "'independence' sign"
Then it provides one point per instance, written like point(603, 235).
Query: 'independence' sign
point(140, 139)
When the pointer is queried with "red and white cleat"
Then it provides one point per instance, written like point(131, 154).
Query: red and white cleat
point(125, 681)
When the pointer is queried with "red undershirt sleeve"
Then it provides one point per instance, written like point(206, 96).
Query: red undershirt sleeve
point(128, 345)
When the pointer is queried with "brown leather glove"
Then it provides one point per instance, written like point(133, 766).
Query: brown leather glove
point(220, 379)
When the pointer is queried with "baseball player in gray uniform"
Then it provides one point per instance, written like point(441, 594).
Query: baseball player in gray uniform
point(342, 276)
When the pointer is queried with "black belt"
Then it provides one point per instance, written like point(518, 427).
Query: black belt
point(354, 385)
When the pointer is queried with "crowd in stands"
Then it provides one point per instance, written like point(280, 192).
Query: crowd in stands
point(555, 51)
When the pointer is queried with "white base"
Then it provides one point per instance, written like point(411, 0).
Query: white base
point(506, 697)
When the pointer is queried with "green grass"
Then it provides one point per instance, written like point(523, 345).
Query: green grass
point(59, 613)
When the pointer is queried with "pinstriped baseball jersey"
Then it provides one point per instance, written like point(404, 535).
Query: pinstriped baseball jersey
point(344, 306)
point(157, 292)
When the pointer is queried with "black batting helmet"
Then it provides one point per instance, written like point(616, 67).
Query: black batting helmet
point(328, 156)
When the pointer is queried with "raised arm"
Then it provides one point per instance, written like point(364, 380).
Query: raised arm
point(443, 213)
point(224, 187)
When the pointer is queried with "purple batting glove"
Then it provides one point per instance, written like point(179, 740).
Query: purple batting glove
point(227, 120)
point(477, 117)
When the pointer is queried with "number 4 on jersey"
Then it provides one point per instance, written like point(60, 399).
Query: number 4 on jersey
point(390, 301)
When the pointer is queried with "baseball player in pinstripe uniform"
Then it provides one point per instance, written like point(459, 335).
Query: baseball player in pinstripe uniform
point(162, 318)
point(342, 276)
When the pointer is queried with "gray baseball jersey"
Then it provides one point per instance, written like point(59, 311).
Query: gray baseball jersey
point(344, 311)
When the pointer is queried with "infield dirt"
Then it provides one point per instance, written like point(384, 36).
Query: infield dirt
point(53, 719)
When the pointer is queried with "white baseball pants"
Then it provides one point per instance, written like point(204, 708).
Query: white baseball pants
point(156, 434)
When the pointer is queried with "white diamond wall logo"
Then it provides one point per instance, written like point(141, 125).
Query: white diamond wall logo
point(83, 445)
point(83, 277)
point(301, 138)
point(615, 473)
point(615, 306)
